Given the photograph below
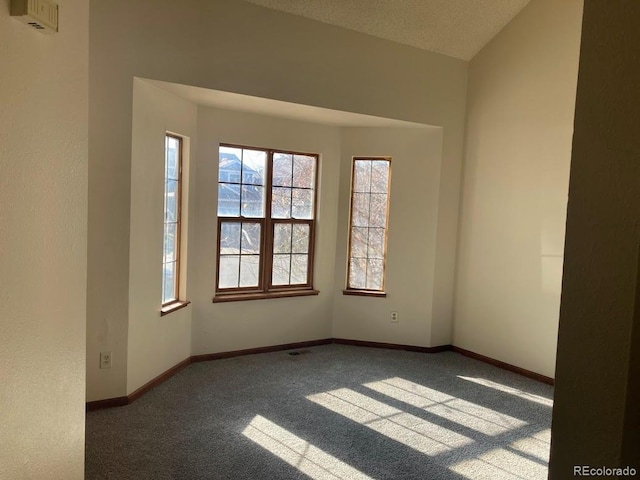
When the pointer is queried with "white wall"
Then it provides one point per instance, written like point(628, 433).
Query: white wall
point(156, 343)
point(219, 327)
point(412, 233)
point(43, 222)
point(278, 56)
point(521, 99)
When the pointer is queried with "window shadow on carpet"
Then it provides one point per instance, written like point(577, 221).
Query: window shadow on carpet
point(338, 412)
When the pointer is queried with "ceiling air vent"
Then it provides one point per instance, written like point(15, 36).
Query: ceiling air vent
point(39, 14)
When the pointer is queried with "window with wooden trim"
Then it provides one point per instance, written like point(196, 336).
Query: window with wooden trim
point(172, 220)
point(368, 225)
point(266, 222)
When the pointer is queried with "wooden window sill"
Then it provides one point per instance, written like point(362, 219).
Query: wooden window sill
point(240, 297)
point(365, 293)
point(172, 307)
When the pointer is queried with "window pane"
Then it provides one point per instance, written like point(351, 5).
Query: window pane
point(357, 272)
point(243, 176)
point(228, 200)
point(172, 166)
point(374, 274)
point(252, 201)
point(229, 164)
point(359, 242)
point(362, 176)
point(229, 271)
point(376, 243)
point(253, 166)
point(302, 204)
point(303, 171)
point(282, 238)
point(168, 282)
point(230, 238)
point(171, 201)
point(360, 210)
point(299, 264)
point(170, 242)
point(171, 227)
point(250, 243)
point(300, 243)
point(282, 170)
point(281, 202)
point(249, 270)
point(379, 176)
point(369, 209)
point(280, 271)
point(378, 212)
point(164, 285)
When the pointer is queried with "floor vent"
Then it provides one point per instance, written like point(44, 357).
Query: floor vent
point(299, 352)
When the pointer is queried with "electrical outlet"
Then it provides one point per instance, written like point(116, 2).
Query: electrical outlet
point(394, 317)
point(105, 359)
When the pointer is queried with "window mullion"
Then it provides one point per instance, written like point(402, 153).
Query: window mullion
point(366, 265)
point(178, 222)
point(291, 242)
point(310, 250)
point(240, 186)
point(267, 261)
point(240, 245)
point(218, 235)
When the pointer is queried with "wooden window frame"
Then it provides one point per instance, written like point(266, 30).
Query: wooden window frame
point(175, 303)
point(364, 291)
point(265, 288)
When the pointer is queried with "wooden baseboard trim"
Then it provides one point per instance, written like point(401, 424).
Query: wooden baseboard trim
point(106, 403)
point(132, 397)
point(504, 365)
point(136, 394)
point(392, 346)
point(251, 351)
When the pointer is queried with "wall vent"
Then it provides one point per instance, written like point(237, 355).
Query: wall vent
point(42, 15)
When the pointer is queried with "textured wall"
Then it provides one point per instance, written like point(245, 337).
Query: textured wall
point(520, 108)
point(242, 48)
point(43, 221)
point(156, 343)
point(411, 247)
point(219, 327)
point(595, 418)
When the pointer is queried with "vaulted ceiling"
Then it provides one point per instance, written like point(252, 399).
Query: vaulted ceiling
point(457, 28)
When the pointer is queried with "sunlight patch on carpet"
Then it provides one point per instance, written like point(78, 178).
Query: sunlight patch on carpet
point(535, 445)
point(412, 431)
point(500, 464)
point(513, 391)
point(462, 412)
point(299, 453)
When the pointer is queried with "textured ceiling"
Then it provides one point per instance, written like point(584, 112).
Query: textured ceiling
point(458, 28)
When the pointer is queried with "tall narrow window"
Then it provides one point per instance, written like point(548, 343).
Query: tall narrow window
point(172, 194)
point(371, 178)
point(266, 223)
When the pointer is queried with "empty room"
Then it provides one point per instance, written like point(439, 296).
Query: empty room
point(319, 239)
